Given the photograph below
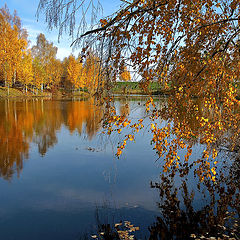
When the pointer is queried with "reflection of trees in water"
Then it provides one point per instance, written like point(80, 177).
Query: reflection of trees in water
point(14, 148)
point(93, 121)
point(22, 122)
point(192, 207)
point(190, 210)
point(45, 140)
point(76, 114)
point(38, 121)
point(47, 121)
point(14, 144)
point(84, 113)
point(124, 108)
point(210, 209)
point(106, 228)
point(191, 123)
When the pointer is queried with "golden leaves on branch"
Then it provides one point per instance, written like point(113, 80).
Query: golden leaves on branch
point(103, 22)
point(188, 121)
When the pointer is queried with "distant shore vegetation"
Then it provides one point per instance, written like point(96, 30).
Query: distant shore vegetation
point(33, 71)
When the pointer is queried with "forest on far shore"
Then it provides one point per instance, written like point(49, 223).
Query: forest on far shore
point(37, 68)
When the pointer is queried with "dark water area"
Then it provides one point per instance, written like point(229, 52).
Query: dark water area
point(60, 178)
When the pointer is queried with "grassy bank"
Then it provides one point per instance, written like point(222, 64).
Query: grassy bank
point(154, 88)
point(121, 88)
point(56, 93)
point(135, 88)
point(16, 93)
point(71, 93)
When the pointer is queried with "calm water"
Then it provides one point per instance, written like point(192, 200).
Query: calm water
point(60, 178)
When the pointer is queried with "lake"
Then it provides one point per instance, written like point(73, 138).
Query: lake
point(60, 177)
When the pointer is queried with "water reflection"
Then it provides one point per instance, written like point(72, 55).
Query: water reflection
point(187, 209)
point(203, 211)
point(84, 113)
point(64, 188)
point(14, 144)
point(38, 121)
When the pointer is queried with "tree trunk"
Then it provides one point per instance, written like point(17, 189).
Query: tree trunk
point(14, 76)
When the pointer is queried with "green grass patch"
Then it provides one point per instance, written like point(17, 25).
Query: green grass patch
point(135, 88)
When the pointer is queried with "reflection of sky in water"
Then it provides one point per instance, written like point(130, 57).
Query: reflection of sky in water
point(56, 194)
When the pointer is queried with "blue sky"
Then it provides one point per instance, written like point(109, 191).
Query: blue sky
point(26, 10)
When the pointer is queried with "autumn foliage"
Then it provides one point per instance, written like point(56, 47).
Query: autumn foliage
point(190, 47)
point(38, 68)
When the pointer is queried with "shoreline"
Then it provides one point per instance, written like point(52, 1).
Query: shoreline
point(15, 93)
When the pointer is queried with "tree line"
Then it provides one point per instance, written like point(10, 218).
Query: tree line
point(37, 68)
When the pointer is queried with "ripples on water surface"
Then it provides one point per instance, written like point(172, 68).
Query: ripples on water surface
point(61, 180)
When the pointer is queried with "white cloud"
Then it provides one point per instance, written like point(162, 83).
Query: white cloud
point(28, 20)
point(64, 49)
point(31, 30)
point(63, 52)
point(32, 33)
